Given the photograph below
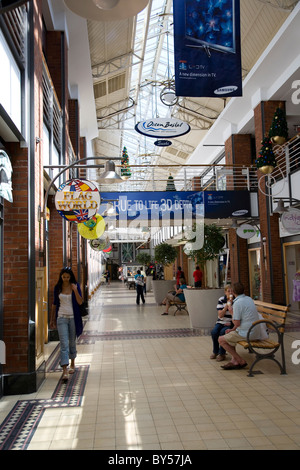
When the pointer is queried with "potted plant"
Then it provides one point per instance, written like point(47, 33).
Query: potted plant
point(165, 254)
point(201, 303)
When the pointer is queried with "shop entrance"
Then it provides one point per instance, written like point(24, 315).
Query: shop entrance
point(291, 253)
point(255, 273)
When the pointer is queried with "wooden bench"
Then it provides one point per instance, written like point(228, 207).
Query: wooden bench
point(274, 316)
point(180, 306)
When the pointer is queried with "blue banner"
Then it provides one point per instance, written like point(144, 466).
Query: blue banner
point(207, 51)
point(156, 205)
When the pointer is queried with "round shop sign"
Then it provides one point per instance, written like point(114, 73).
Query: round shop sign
point(77, 200)
point(163, 128)
point(246, 231)
point(92, 229)
point(291, 220)
point(99, 244)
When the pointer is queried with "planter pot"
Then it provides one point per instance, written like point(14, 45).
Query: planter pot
point(202, 306)
point(161, 288)
point(148, 284)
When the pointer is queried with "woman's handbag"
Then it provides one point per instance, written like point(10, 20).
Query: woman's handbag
point(83, 310)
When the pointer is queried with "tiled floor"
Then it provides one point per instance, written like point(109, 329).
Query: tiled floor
point(159, 390)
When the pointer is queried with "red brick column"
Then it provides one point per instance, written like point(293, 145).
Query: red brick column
point(272, 282)
point(15, 264)
point(238, 152)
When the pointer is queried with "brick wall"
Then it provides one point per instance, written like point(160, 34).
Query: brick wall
point(238, 152)
point(272, 281)
point(15, 264)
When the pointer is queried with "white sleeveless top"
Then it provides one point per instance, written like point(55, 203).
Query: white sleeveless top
point(65, 307)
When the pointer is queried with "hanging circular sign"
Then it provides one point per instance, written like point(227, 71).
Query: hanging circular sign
point(162, 127)
point(77, 200)
point(99, 244)
point(94, 231)
point(162, 143)
point(291, 220)
point(246, 231)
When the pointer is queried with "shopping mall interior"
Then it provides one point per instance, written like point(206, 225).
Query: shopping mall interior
point(153, 136)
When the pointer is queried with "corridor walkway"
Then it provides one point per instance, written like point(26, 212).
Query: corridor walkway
point(145, 381)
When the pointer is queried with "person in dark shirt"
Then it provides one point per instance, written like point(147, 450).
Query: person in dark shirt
point(224, 322)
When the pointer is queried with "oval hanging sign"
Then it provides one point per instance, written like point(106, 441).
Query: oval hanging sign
point(162, 143)
point(246, 231)
point(291, 221)
point(162, 127)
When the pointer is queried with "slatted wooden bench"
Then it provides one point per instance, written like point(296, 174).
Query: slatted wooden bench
point(274, 316)
point(180, 306)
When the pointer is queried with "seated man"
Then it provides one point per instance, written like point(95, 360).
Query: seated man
point(244, 314)
point(176, 296)
point(224, 322)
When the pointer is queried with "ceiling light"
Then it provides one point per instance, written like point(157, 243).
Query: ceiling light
point(106, 4)
point(106, 10)
point(234, 224)
point(110, 176)
point(280, 209)
point(168, 96)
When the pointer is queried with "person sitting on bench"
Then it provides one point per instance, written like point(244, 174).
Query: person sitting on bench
point(244, 314)
point(176, 296)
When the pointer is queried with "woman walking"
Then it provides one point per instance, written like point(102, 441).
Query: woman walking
point(65, 315)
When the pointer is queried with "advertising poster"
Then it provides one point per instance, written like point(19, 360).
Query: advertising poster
point(177, 204)
point(207, 53)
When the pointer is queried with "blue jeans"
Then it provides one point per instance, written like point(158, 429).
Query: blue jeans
point(67, 336)
point(218, 330)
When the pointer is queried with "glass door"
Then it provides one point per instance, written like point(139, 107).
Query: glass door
point(291, 252)
point(255, 273)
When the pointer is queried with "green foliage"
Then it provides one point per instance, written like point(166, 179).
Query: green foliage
point(266, 155)
point(279, 125)
point(165, 254)
point(212, 245)
point(144, 259)
point(170, 184)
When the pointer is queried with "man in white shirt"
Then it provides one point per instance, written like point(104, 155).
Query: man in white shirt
point(244, 315)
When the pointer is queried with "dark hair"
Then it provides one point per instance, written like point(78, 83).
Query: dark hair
point(238, 288)
point(138, 271)
point(72, 278)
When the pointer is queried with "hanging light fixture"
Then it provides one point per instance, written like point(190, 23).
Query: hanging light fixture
point(106, 4)
point(110, 176)
point(168, 94)
point(106, 10)
point(280, 209)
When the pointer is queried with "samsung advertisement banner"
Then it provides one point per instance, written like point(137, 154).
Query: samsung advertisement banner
point(207, 51)
point(177, 205)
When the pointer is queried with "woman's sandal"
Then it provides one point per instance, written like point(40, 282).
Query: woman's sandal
point(65, 377)
point(71, 370)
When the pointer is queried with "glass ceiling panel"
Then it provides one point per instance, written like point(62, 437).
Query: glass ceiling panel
point(147, 75)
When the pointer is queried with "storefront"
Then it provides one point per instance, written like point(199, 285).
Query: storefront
point(291, 255)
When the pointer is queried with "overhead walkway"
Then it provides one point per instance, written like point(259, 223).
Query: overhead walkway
point(146, 382)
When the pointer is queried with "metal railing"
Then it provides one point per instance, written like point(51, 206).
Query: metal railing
point(218, 177)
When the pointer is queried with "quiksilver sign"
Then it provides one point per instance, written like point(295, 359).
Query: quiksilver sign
point(162, 127)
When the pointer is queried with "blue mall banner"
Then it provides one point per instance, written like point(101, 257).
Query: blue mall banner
point(155, 205)
point(207, 52)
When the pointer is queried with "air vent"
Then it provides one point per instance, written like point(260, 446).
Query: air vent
point(100, 89)
point(183, 155)
point(116, 83)
point(110, 86)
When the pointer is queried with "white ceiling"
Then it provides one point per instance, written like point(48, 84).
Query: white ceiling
point(112, 63)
